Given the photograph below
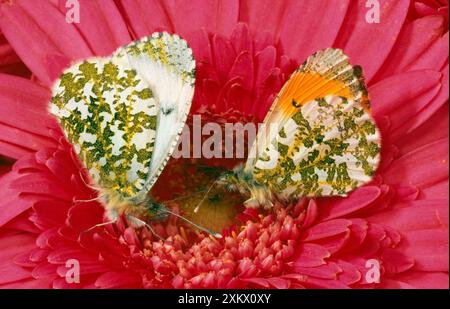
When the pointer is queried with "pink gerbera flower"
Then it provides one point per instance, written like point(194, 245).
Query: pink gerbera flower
point(245, 51)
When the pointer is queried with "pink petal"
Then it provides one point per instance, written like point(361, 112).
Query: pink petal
point(420, 167)
point(358, 233)
point(325, 284)
point(311, 255)
point(311, 214)
point(437, 190)
point(243, 68)
point(302, 33)
point(14, 137)
point(418, 280)
point(201, 47)
point(367, 43)
point(395, 261)
point(259, 282)
point(182, 17)
point(435, 128)
point(217, 16)
point(415, 215)
point(61, 254)
point(279, 283)
point(23, 116)
point(423, 9)
point(40, 184)
point(349, 273)
point(428, 247)
point(327, 271)
point(413, 43)
point(10, 63)
point(335, 244)
point(434, 57)
point(11, 150)
point(145, 16)
point(39, 32)
point(11, 205)
point(264, 62)
point(326, 229)
point(438, 101)
point(101, 25)
point(51, 213)
point(241, 38)
point(44, 270)
point(404, 96)
point(224, 56)
point(10, 247)
point(118, 279)
point(85, 269)
point(77, 217)
point(29, 283)
point(372, 242)
point(38, 255)
point(359, 199)
point(265, 14)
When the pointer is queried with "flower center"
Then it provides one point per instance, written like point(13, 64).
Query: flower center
point(189, 185)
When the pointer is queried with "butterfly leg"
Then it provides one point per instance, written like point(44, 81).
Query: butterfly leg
point(88, 185)
point(205, 196)
point(136, 222)
point(98, 225)
point(88, 200)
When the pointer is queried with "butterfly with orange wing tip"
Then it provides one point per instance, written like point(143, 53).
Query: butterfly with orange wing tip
point(326, 142)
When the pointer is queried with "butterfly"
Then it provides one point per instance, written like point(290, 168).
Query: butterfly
point(325, 141)
point(124, 115)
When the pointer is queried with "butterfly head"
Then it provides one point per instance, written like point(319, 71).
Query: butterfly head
point(156, 211)
point(242, 181)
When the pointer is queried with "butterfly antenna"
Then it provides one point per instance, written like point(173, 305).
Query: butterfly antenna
point(183, 197)
point(204, 197)
point(216, 235)
point(98, 225)
point(89, 200)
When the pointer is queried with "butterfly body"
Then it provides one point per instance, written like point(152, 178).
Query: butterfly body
point(240, 180)
point(143, 207)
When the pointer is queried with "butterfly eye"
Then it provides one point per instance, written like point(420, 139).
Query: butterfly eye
point(295, 104)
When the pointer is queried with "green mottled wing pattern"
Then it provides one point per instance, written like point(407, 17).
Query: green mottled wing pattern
point(167, 64)
point(109, 114)
point(125, 113)
point(162, 51)
point(329, 146)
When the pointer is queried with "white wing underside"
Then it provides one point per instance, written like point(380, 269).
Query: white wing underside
point(172, 83)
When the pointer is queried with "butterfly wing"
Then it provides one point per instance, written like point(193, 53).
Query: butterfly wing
point(109, 113)
point(166, 63)
point(124, 114)
point(327, 142)
point(327, 72)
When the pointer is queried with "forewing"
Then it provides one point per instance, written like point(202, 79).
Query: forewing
point(166, 63)
point(327, 142)
point(327, 72)
point(108, 112)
